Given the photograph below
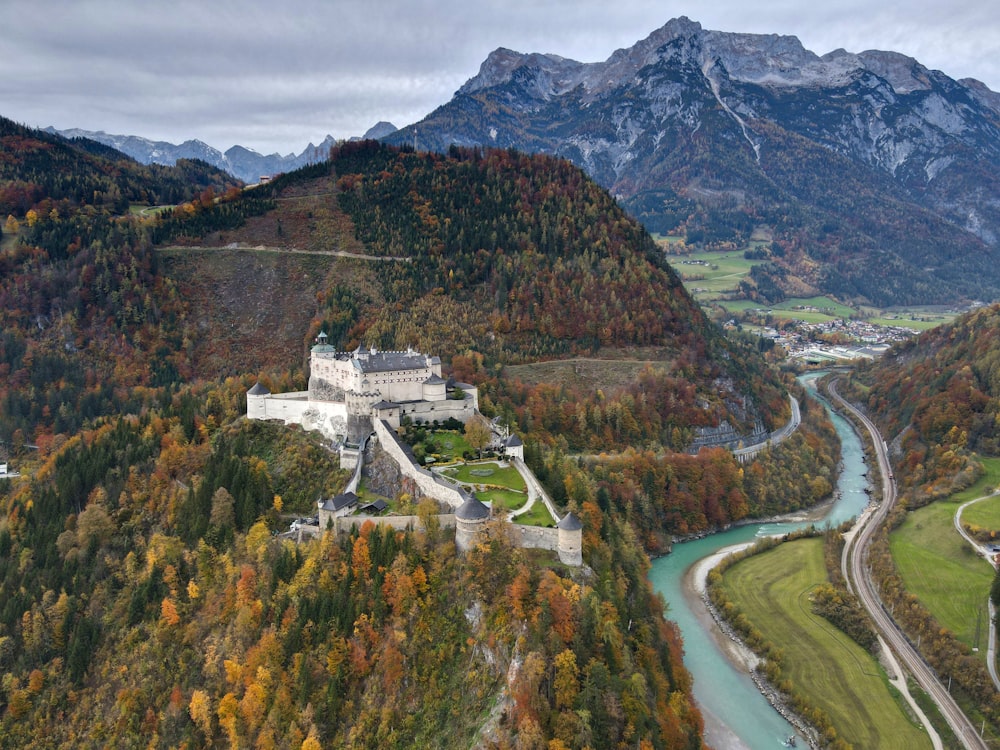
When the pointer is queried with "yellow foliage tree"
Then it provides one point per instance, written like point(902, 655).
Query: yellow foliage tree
point(200, 710)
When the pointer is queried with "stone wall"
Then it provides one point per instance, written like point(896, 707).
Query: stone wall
point(345, 523)
point(534, 537)
point(427, 483)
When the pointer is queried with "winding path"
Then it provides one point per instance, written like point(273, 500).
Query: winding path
point(991, 651)
point(859, 581)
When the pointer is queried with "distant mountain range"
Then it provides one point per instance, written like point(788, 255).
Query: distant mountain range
point(243, 163)
point(866, 175)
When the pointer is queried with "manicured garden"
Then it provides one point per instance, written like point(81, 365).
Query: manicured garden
point(487, 473)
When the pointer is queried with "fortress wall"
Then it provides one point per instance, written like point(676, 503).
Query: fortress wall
point(427, 483)
point(345, 523)
point(534, 537)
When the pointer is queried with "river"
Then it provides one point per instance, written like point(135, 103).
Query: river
point(737, 716)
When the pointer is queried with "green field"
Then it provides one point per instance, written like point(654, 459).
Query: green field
point(985, 514)
point(940, 568)
point(828, 668)
point(710, 275)
point(713, 277)
point(538, 516)
point(447, 443)
point(503, 499)
point(476, 473)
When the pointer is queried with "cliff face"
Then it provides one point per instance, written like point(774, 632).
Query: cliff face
point(759, 130)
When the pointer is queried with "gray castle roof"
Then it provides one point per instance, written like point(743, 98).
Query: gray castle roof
point(434, 380)
point(472, 510)
point(258, 390)
point(376, 361)
point(570, 522)
point(339, 502)
point(383, 404)
point(513, 441)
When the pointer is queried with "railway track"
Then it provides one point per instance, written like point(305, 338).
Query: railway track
point(855, 563)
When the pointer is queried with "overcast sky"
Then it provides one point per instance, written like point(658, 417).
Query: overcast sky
point(274, 76)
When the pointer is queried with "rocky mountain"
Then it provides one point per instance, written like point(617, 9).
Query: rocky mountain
point(876, 178)
point(243, 163)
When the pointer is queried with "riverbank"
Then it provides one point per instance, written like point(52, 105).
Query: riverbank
point(741, 656)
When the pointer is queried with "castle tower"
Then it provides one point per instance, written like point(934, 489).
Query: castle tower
point(570, 544)
point(469, 520)
point(434, 388)
point(256, 406)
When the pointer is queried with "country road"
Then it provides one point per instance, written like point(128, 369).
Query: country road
point(293, 251)
point(859, 581)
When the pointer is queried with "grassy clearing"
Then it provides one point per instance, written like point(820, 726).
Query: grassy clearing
point(985, 514)
point(538, 516)
point(503, 499)
point(447, 443)
point(833, 672)
point(507, 476)
point(943, 572)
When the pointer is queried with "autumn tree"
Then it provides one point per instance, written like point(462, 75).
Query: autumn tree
point(477, 434)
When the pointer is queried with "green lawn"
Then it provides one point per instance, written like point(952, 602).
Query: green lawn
point(985, 514)
point(503, 499)
point(831, 670)
point(447, 442)
point(943, 572)
point(538, 516)
point(488, 472)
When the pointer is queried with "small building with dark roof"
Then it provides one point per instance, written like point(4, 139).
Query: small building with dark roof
point(513, 447)
point(374, 508)
point(335, 507)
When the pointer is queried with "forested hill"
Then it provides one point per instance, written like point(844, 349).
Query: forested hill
point(40, 172)
point(513, 257)
point(874, 176)
point(144, 600)
point(937, 399)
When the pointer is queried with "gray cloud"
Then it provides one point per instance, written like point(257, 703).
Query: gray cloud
point(275, 76)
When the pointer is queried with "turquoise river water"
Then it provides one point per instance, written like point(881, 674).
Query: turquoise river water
point(737, 715)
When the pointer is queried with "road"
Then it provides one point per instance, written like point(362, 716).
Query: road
point(859, 581)
point(778, 435)
point(991, 651)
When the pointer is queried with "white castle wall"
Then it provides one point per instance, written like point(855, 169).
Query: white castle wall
point(427, 482)
point(329, 417)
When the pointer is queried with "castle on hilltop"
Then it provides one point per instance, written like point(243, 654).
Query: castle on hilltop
point(354, 396)
point(348, 390)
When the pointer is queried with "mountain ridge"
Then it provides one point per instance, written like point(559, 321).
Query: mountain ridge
point(722, 129)
point(242, 162)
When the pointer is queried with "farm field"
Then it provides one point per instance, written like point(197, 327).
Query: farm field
point(713, 277)
point(942, 570)
point(834, 673)
point(985, 514)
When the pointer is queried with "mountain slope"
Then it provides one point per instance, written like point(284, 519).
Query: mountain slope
point(241, 162)
point(874, 173)
point(937, 399)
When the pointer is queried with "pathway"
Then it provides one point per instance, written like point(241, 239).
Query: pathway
point(292, 251)
point(991, 650)
point(859, 581)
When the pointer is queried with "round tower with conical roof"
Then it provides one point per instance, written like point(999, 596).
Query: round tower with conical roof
point(570, 544)
point(470, 517)
point(256, 401)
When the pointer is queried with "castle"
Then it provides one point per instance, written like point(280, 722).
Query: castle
point(367, 393)
point(348, 390)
